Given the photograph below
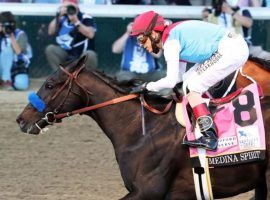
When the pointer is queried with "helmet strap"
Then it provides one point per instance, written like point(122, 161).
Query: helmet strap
point(151, 26)
point(154, 43)
point(148, 33)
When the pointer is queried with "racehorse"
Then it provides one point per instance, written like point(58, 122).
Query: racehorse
point(154, 166)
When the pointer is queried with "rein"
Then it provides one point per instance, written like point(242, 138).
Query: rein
point(52, 117)
point(100, 105)
point(72, 78)
point(112, 102)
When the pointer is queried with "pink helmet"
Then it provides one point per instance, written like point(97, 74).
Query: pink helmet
point(146, 22)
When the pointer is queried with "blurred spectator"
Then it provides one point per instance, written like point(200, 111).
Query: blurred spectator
point(10, 1)
point(96, 2)
point(46, 1)
point(136, 61)
point(132, 2)
point(15, 53)
point(179, 2)
point(231, 17)
point(159, 2)
point(75, 32)
point(266, 3)
point(247, 3)
point(152, 2)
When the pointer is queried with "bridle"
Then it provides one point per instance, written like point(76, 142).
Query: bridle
point(72, 78)
point(51, 117)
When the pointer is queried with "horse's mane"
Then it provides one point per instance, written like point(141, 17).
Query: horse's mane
point(125, 89)
point(264, 63)
point(72, 65)
point(112, 82)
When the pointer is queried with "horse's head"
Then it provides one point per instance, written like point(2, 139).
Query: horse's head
point(61, 92)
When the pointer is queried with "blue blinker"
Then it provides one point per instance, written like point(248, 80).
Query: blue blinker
point(36, 102)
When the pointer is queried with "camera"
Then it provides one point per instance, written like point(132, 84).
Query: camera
point(9, 27)
point(18, 67)
point(217, 5)
point(71, 10)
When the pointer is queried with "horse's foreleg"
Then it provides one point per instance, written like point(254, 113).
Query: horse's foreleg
point(132, 196)
point(261, 191)
point(145, 193)
point(267, 182)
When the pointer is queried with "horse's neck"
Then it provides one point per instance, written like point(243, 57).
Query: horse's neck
point(119, 121)
point(122, 122)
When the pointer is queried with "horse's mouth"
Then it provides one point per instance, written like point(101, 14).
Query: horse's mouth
point(39, 127)
point(35, 128)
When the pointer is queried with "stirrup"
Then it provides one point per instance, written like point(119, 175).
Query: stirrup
point(202, 142)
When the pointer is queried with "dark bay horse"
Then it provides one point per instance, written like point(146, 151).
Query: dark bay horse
point(154, 166)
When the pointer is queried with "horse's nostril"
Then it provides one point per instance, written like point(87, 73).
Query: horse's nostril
point(19, 120)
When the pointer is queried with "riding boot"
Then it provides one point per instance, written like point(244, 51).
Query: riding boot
point(207, 127)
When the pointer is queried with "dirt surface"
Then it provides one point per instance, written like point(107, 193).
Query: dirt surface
point(73, 160)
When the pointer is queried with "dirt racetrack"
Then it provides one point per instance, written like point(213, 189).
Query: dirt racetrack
point(72, 161)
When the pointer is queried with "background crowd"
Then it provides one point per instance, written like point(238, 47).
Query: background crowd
point(264, 3)
point(74, 33)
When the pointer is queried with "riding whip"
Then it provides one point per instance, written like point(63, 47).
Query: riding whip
point(142, 114)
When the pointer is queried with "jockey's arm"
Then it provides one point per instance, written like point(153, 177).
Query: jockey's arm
point(175, 70)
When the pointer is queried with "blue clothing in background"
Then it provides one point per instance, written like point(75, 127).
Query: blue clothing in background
point(136, 59)
point(21, 82)
point(14, 68)
point(6, 59)
point(71, 40)
point(46, 1)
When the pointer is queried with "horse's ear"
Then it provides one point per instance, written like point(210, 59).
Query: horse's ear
point(76, 64)
point(81, 61)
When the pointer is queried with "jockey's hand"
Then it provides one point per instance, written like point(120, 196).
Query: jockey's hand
point(139, 89)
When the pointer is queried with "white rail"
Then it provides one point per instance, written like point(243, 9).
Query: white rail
point(182, 12)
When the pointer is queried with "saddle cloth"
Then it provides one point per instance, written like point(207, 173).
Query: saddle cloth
point(241, 134)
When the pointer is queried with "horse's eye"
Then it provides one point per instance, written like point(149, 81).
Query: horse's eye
point(49, 86)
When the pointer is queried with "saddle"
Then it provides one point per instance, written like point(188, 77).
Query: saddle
point(239, 121)
point(213, 103)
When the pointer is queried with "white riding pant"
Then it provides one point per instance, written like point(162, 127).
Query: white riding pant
point(232, 54)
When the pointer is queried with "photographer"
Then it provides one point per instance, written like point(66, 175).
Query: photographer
point(229, 15)
point(15, 53)
point(75, 33)
point(137, 63)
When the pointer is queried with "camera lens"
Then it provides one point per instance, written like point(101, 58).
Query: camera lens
point(9, 27)
point(71, 10)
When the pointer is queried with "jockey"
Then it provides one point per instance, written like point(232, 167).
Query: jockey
point(215, 52)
